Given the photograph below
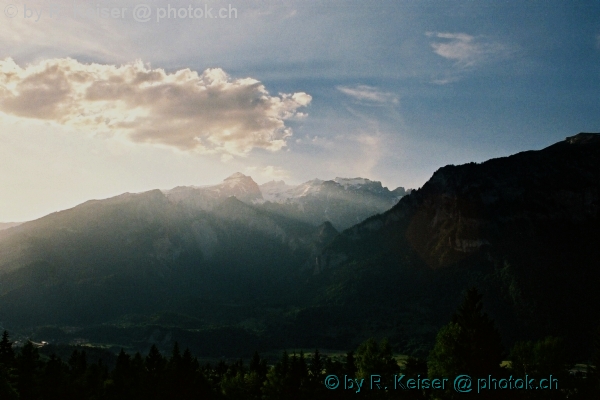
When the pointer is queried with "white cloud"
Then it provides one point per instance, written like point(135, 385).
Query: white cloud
point(267, 173)
point(464, 49)
point(208, 112)
point(368, 94)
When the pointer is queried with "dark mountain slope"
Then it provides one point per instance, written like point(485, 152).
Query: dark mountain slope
point(140, 253)
point(523, 228)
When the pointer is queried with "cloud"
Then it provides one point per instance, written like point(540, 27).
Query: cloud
point(464, 49)
point(351, 153)
point(368, 94)
point(208, 112)
point(269, 172)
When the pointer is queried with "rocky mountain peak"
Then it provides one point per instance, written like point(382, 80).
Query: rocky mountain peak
point(239, 185)
point(237, 176)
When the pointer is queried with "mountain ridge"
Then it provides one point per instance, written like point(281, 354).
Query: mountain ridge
point(341, 201)
point(522, 228)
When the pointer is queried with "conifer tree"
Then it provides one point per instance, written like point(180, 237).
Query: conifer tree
point(121, 383)
point(375, 358)
point(28, 364)
point(277, 385)
point(175, 356)
point(7, 361)
point(154, 362)
point(470, 344)
point(7, 354)
point(316, 367)
point(350, 365)
point(155, 369)
point(54, 380)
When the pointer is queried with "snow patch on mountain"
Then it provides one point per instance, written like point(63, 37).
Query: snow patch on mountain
point(352, 182)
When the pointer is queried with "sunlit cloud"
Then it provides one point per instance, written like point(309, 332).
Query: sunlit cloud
point(208, 112)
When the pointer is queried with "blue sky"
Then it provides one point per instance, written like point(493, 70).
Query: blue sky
point(387, 90)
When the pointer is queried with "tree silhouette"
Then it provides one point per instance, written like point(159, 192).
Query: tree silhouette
point(28, 366)
point(7, 354)
point(375, 358)
point(469, 344)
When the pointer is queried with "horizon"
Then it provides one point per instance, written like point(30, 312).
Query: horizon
point(106, 97)
point(269, 181)
point(205, 186)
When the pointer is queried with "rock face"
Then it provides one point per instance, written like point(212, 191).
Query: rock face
point(207, 197)
point(525, 228)
point(343, 201)
point(467, 208)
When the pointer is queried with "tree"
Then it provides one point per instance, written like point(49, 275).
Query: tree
point(7, 392)
point(298, 371)
point(7, 354)
point(155, 362)
point(7, 361)
point(257, 374)
point(415, 367)
point(258, 365)
point(350, 364)
point(316, 367)
point(447, 356)
point(28, 364)
point(175, 356)
point(540, 360)
point(275, 386)
point(289, 378)
point(155, 366)
point(375, 358)
point(54, 380)
point(469, 344)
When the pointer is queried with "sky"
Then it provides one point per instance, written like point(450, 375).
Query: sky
point(98, 98)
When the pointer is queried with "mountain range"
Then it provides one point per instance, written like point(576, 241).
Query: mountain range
point(234, 267)
point(341, 201)
point(213, 255)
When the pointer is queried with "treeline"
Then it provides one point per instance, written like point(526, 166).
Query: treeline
point(468, 345)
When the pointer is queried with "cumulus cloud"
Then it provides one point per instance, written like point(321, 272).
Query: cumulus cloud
point(368, 94)
point(464, 49)
point(209, 112)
